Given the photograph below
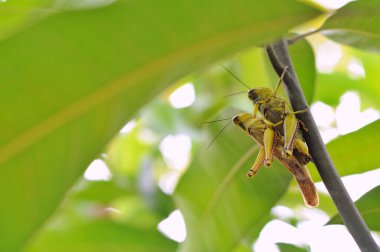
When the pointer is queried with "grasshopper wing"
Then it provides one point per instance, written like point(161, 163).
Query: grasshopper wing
point(255, 128)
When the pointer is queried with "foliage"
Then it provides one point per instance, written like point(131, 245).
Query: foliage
point(369, 207)
point(73, 73)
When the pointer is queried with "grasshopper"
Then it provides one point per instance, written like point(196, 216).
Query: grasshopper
point(261, 130)
point(276, 109)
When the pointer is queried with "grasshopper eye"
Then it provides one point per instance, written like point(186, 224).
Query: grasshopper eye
point(236, 120)
point(252, 95)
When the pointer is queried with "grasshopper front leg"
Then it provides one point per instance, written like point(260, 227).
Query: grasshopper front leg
point(257, 107)
point(258, 162)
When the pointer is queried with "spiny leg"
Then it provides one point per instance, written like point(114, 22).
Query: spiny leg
point(299, 111)
point(280, 80)
point(258, 162)
point(303, 125)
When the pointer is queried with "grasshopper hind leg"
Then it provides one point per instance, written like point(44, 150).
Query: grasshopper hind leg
point(291, 126)
point(269, 143)
point(290, 129)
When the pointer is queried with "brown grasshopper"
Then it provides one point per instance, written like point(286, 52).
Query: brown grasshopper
point(276, 109)
point(261, 130)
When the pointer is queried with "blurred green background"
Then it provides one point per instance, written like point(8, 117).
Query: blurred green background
point(102, 146)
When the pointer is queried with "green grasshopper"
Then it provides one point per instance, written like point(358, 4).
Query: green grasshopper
point(261, 130)
point(276, 109)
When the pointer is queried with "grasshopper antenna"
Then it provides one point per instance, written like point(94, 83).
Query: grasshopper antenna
point(219, 120)
point(225, 68)
point(241, 92)
point(220, 132)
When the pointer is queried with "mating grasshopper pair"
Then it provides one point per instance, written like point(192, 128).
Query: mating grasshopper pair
point(278, 111)
point(279, 135)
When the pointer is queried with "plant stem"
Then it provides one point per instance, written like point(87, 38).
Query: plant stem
point(301, 36)
point(279, 57)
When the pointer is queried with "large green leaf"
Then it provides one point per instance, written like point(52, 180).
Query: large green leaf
point(17, 15)
point(102, 235)
point(369, 207)
point(69, 83)
point(304, 62)
point(356, 152)
point(102, 216)
point(356, 24)
point(254, 68)
point(221, 206)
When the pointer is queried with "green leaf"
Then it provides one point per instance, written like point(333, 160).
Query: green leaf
point(369, 207)
point(102, 235)
point(70, 82)
point(124, 154)
point(220, 205)
point(101, 216)
point(356, 24)
point(286, 247)
point(304, 62)
point(17, 15)
point(243, 248)
point(369, 86)
point(330, 87)
point(102, 191)
point(254, 68)
point(355, 152)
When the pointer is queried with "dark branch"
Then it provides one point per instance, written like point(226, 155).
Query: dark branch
point(279, 57)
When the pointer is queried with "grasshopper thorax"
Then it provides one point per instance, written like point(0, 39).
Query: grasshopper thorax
point(259, 94)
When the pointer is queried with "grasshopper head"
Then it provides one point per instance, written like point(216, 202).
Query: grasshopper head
point(242, 120)
point(259, 94)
